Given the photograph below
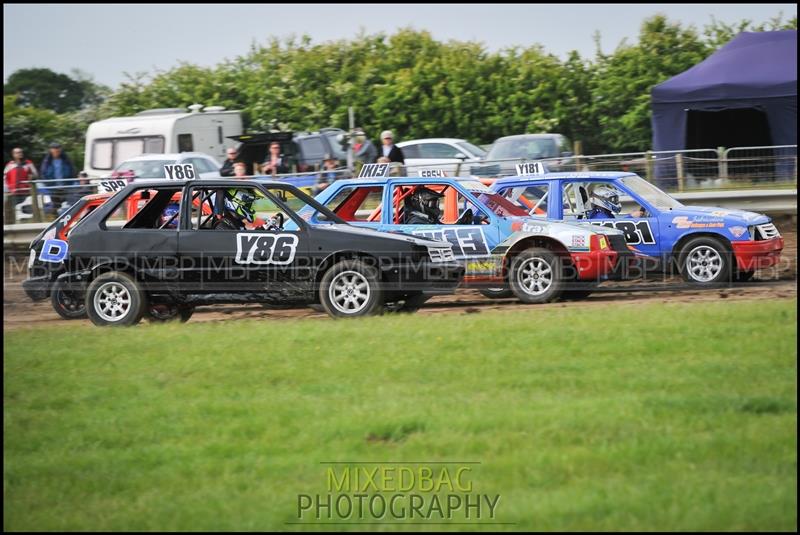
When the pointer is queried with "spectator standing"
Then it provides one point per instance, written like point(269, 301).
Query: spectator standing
point(275, 163)
point(239, 169)
point(57, 169)
point(389, 149)
point(327, 175)
point(17, 176)
point(227, 168)
point(363, 149)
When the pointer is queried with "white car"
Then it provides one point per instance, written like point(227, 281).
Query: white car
point(152, 165)
point(441, 153)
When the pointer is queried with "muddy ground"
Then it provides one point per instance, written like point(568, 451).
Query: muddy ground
point(779, 282)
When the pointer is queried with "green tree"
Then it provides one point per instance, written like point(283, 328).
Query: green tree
point(45, 89)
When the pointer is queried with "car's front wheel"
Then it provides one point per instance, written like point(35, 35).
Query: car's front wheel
point(705, 260)
point(536, 276)
point(115, 298)
point(351, 288)
point(67, 304)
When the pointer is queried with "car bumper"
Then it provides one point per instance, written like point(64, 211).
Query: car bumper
point(37, 288)
point(752, 255)
point(428, 277)
point(594, 265)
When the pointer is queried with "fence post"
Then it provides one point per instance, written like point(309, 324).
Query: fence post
point(458, 168)
point(577, 150)
point(36, 210)
point(679, 167)
point(9, 209)
point(648, 156)
point(723, 162)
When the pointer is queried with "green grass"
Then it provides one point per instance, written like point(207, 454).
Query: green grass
point(578, 423)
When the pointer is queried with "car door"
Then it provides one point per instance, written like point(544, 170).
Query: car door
point(248, 259)
point(470, 241)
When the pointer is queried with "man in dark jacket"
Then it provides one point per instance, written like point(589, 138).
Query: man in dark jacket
point(57, 170)
point(389, 149)
point(227, 167)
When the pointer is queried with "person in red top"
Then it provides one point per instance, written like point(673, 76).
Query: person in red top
point(17, 176)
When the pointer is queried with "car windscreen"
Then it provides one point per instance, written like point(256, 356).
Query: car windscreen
point(472, 150)
point(530, 148)
point(143, 168)
point(650, 193)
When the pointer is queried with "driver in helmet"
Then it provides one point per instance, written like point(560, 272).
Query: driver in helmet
point(169, 217)
point(422, 207)
point(604, 204)
point(237, 210)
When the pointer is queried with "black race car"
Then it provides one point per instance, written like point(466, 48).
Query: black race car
point(237, 241)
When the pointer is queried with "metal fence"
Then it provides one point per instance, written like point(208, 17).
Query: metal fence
point(674, 171)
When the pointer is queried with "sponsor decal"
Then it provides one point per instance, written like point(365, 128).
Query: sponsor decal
point(533, 227)
point(698, 222)
point(466, 242)
point(262, 248)
point(54, 251)
point(578, 240)
point(636, 232)
point(373, 170)
point(180, 171)
point(530, 168)
point(432, 173)
point(738, 232)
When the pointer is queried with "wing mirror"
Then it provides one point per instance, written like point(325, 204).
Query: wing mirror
point(461, 156)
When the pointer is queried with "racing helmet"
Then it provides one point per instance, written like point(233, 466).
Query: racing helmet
point(168, 215)
point(240, 204)
point(427, 201)
point(606, 198)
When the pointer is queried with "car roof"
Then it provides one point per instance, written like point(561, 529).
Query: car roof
point(411, 179)
point(166, 156)
point(433, 140)
point(212, 182)
point(584, 175)
point(528, 136)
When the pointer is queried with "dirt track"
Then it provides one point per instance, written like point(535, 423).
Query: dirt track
point(775, 283)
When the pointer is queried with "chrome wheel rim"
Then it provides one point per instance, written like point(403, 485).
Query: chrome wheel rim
point(349, 292)
point(703, 263)
point(535, 276)
point(112, 301)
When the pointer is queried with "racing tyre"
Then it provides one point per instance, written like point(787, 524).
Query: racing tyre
point(705, 261)
point(115, 298)
point(536, 276)
point(68, 305)
point(497, 293)
point(163, 313)
point(351, 288)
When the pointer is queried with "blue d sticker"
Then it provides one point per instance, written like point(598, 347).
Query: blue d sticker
point(53, 251)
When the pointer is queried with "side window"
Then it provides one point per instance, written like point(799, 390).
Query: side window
point(126, 149)
point(533, 199)
point(102, 154)
point(147, 209)
point(437, 150)
point(411, 151)
point(357, 203)
point(154, 145)
point(591, 200)
point(232, 209)
point(421, 204)
point(185, 143)
point(467, 213)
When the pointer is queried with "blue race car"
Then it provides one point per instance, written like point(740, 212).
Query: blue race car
point(707, 245)
point(506, 251)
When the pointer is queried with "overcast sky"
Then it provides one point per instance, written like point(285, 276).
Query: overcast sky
point(108, 40)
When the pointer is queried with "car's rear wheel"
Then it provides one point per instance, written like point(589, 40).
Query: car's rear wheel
point(705, 260)
point(536, 276)
point(115, 298)
point(351, 288)
point(70, 305)
point(497, 293)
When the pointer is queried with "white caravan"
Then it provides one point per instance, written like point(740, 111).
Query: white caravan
point(166, 130)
